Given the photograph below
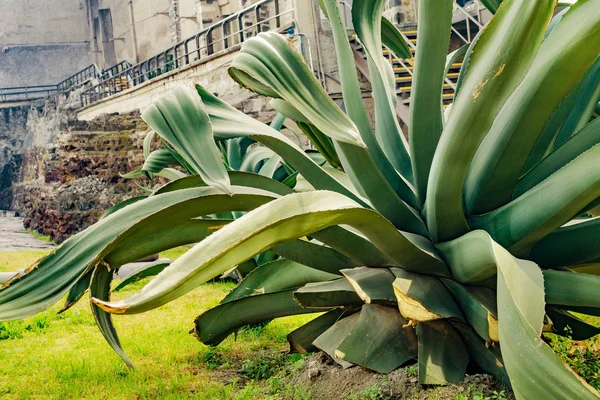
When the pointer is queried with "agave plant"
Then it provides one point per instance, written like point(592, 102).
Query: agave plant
point(459, 247)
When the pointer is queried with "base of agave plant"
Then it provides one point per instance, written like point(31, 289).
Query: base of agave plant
point(378, 318)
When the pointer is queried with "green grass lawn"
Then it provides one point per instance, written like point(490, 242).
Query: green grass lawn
point(65, 356)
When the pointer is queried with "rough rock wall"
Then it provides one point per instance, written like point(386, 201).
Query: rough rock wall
point(65, 187)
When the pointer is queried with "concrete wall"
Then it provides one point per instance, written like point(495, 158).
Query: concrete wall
point(43, 21)
point(42, 41)
point(212, 75)
point(151, 29)
point(42, 64)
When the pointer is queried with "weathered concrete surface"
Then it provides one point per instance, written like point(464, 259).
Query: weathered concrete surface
point(13, 236)
point(212, 75)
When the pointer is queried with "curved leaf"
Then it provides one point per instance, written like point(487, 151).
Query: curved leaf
point(584, 140)
point(443, 356)
point(524, 221)
point(315, 256)
point(284, 219)
point(379, 340)
point(576, 243)
point(426, 112)
point(268, 65)
point(142, 271)
point(214, 325)
point(276, 276)
point(352, 95)
point(498, 62)
point(570, 116)
point(501, 157)
point(366, 18)
point(28, 294)
point(227, 122)
point(181, 120)
point(100, 288)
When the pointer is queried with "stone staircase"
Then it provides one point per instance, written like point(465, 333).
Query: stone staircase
point(403, 69)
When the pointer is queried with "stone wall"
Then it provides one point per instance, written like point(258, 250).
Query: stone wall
point(66, 186)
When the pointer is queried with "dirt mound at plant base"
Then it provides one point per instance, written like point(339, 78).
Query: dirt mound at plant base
point(327, 380)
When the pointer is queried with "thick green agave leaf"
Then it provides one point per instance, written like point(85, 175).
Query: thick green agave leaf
point(28, 293)
point(158, 160)
point(144, 270)
point(381, 340)
point(329, 340)
point(276, 276)
point(526, 220)
point(353, 104)
point(366, 19)
point(159, 235)
point(577, 243)
point(566, 324)
point(301, 339)
point(497, 64)
point(520, 294)
point(181, 120)
point(393, 39)
point(502, 155)
point(358, 164)
point(227, 123)
point(314, 255)
point(373, 285)
point(100, 288)
point(254, 158)
point(237, 178)
point(443, 357)
point(288, 218)
point(76, 292)
point(470, 258)
point(423, 298)
point(354, 246)
point(487, 357)
point(214, 325)
point(569, 118)
point(327, 295)
point(268, 65)
point(426, 113)
point(584, 140)
point(321, 142)
point(367, 180)
point(571, 289)
point(520, 316)
point(478, 304)
point(147, 145)
point(234, 153)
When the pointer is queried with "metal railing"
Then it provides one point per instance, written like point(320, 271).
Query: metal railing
point(221, 37)
point(23, 93)
point(79, 78)
point(114, 70)
point(471, 13)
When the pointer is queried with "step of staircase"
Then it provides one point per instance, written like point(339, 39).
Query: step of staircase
point(403, 69)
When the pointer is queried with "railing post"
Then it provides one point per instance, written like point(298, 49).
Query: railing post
point(277, 17)
point(185, 48)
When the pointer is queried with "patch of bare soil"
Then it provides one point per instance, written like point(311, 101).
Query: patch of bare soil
point(328, 380)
